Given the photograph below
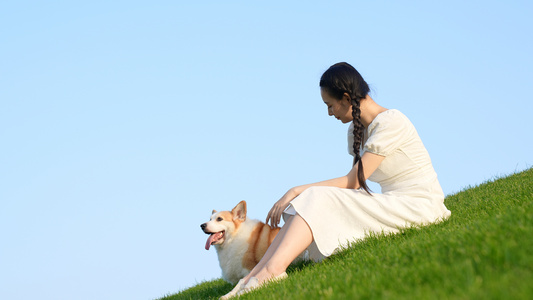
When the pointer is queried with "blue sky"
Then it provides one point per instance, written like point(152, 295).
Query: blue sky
point(124, 123)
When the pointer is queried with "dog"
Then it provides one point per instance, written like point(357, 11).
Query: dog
point(240, 242)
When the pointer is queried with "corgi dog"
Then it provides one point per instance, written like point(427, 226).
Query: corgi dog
point(240, 242)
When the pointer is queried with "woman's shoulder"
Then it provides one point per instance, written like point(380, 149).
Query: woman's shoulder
point(388, 131)
point(390, 117)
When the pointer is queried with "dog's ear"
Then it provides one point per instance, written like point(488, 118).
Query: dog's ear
point(213, 212)
point(239, 211)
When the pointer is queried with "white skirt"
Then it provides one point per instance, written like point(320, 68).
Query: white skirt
point(338, 217)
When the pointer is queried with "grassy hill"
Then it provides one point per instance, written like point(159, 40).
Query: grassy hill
point(484, 251)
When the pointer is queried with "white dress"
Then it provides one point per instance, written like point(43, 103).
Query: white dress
point(410, 192)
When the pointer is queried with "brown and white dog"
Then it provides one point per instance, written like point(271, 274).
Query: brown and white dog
point(240, 242)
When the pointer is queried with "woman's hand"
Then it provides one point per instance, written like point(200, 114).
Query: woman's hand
point(274, 215)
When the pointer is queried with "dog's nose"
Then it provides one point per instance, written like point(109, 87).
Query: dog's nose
point(203, 226)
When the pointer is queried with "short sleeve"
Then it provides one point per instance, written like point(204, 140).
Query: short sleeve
point(387, 133)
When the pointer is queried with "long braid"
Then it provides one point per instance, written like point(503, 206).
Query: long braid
point(358, 130)
point(356, 114)
point(340, 79)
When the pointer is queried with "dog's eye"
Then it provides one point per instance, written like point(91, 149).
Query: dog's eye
point(219, 219)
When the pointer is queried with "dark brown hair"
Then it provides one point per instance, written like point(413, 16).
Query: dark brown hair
point(343, 78)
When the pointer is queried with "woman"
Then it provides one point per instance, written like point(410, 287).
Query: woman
point(323, 216)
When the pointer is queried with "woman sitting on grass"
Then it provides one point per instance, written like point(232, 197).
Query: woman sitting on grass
point(321, 217)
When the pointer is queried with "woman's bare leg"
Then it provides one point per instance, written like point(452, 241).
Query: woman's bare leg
point(270, 250)
point(293, 238)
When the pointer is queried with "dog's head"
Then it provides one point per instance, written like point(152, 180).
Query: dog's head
point(223, 224)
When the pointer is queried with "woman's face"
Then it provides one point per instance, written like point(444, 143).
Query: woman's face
point(340, 109)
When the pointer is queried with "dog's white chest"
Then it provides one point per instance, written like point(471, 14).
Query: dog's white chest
point(231, 254)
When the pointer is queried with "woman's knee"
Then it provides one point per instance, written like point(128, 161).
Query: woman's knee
point(319, 190)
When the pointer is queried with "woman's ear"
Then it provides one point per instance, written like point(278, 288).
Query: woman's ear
point(346, 98)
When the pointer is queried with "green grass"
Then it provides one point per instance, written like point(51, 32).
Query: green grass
point(484, 251)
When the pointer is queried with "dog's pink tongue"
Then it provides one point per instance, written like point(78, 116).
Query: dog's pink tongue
point(212, 239)
point(209, 241)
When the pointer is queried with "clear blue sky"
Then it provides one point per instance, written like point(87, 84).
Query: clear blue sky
point(124, 123)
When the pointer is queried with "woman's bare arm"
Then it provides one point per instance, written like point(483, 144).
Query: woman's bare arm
point(370, 162)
